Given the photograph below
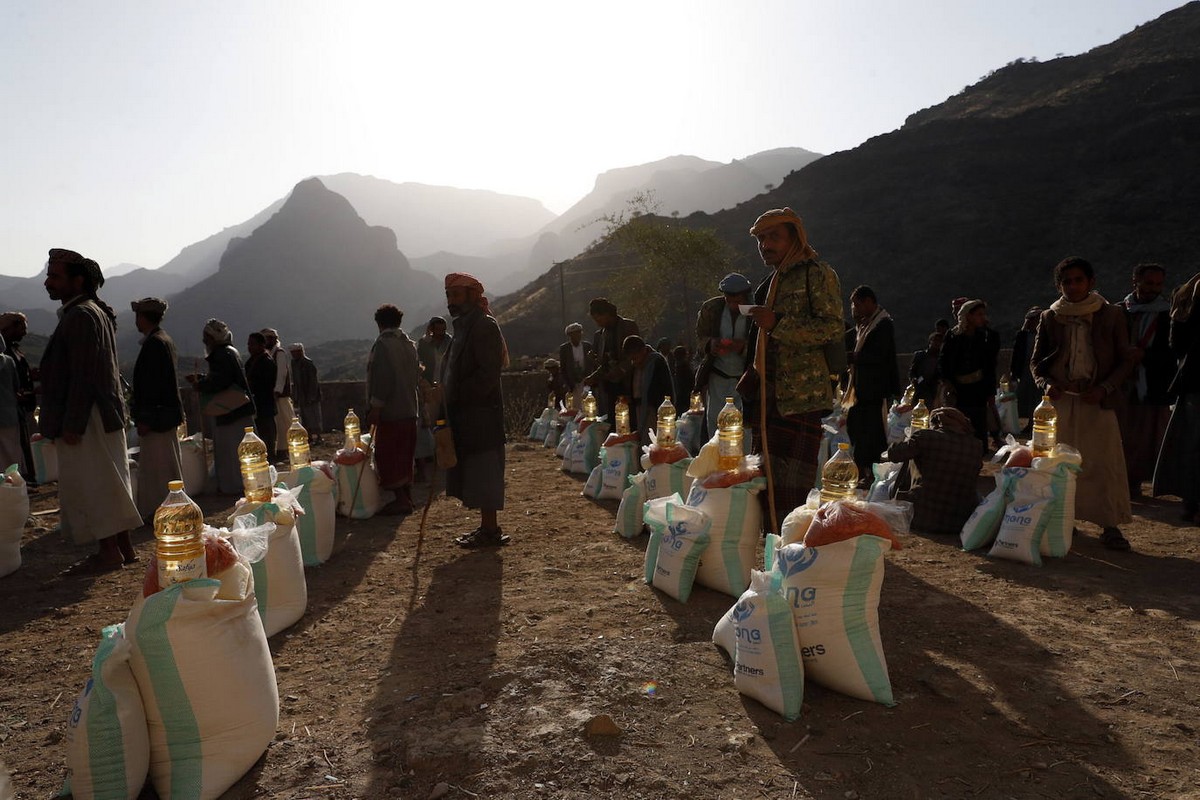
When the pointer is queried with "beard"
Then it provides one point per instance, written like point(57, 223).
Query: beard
point(455, 310)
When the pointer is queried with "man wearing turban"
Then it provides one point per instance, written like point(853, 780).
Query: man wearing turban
point(797, 321)
point(613, 375)
point(721, 335)
point(574, 355)
point(475, 409)
point(155, 406)
point(83, 410)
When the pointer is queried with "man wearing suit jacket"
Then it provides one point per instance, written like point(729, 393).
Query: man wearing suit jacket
point(156, 407)
point(574, 358)
point(874, 379)
point(611, 377)
point(650, 380)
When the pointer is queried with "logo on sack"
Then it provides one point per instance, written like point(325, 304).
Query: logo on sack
point(747, 634)
point(795, 559)
point(615, 463)
point(743, 610)
point(800, 597)
point(674, 536)
point(696, 496)
point(1022, 508)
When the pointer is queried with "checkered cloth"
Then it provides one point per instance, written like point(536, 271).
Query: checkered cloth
point(946, 492)
point(794, 441)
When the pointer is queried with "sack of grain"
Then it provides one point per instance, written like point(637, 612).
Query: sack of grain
point(14, 512)
point(318, 499)
point(736, 529)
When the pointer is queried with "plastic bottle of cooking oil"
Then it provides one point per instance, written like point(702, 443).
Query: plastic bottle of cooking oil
point(729, 436)
point(920, 416)
point(256, 471)
point(550, 401)
point(622, 414)
point(666, 424)
point(839, 476)
point(181, 432)
point(589, 406)
point(297, 439)
point(697, 406)
point(1045, 428)
point(353, 430)
point(178, 527)
point(909, 395)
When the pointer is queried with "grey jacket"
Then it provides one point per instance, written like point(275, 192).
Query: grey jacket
point(79, 370)
point(392, 374)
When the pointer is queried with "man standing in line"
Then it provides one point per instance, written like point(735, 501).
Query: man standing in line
point(260, 376)
point(284, 412)
point(574, 355)
point(968, 363)
point(306, 392)
point(797, 317)
point(84, 412)
point(432, 349)
point(475, 409)
point(13, 328)
point(155, 407)
point(392, 376)
point(874, 379)
point(651, 381)
point(721, 335)
point(1147, 409)
point(1081, 357)
point(611, 377)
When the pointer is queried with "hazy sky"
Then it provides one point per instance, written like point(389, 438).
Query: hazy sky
point(133, 129)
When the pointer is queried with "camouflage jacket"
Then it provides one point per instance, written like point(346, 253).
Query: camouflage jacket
point(809, 304)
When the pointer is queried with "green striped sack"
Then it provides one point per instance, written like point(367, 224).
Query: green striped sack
point(767, 661)
point(736, 529)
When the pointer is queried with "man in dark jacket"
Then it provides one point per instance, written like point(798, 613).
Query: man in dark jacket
point(1178, 468)
point(475, 409)
point(651, 383)
point(306, 392)
point(874, 379)
point(574, 358)
point(968, 364)
point(156, 407)
point(1147, 406)
point(83, 410)
point(13, 327)
point(260, 376)
point(611, 377)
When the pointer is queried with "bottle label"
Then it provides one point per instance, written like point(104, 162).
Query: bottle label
point(171, 571)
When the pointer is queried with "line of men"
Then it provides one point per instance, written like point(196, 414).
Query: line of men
point(1112, 370)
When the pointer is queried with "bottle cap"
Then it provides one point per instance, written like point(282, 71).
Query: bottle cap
point(174, 486)
point(249, 429)
point(843, 446)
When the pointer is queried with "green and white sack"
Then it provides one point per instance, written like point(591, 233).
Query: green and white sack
point(317, 497)
point(45, 458)
point(265, 534)
point(14, 512)
point(1025, 518)
point(194, 464)
point(678, 535)
point(358, 492)
point(689, 431)
point(833, 592)
point(736, 529)
point(759, 632)
point(567, 440)
point(1060, 518)
point(984, 523)
point(611, 475)
point(537, 431)
point(108, 745)
point(664, 480)
point(629, 522)
point(204, 671)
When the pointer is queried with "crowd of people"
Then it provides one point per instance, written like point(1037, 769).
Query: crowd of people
point(1124, 378)
point(1119, 375)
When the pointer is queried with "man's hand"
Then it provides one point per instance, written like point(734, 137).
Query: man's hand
point(1054, 392)
point(71, 438)
point(764, 318)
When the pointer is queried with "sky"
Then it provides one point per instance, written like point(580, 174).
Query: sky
point(133, 129)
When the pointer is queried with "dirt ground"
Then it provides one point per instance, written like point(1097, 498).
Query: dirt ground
point(418, 663)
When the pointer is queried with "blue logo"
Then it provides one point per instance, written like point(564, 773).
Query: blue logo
point(1022, 509)
point(743, 610)
point(696, 495)
point(794, 559)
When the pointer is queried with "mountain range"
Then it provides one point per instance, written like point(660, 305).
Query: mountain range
point(979, 196)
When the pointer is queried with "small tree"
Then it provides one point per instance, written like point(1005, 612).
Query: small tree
point(669, 267)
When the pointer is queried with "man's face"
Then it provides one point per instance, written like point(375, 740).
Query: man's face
point(978, 317)
point(143, 325)
point(255, 346)
point(1149, 285)
point(774, 243)
point(460, 300)
point(297, 355)
point(438, 331)
point(574, 337)
point(271, 341)
point(603, 319)
point(735, 300)
point(638, 357)
point(61, 286)
point(861, 308)
point(1075, 285)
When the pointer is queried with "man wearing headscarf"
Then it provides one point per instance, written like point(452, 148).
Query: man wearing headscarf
point(1178, 468)
point(306, 392)
point(83, 410)
point(155, 406)
point(651, 385)
point(874, 379)
point(947, 456)
point(475, 409)
point(1018, 366)
point(797, 319)
point(968, 363)
point(432, 349)
point(1147, 407)
point(722, 335)
point(1081, 358)
point(225, 372)
point(285, 412)
point(612, 376)
point(574, 355)
point(13, 327)
point(10, 429)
